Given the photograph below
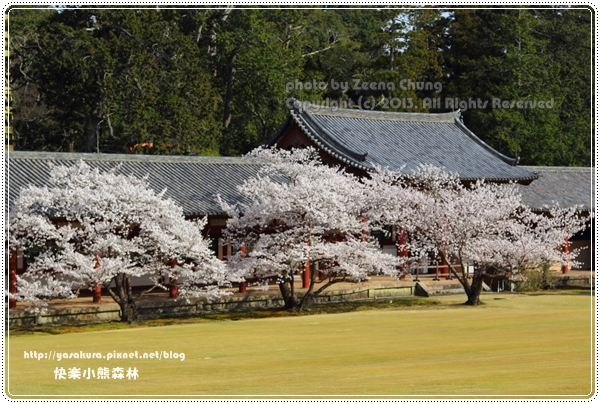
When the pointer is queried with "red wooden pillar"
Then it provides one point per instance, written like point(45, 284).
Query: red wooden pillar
point(565, 267)
point(243, 285)
point(12, 281)
point(444, 270)
point(306, 274)
point(97, 293)
point(173, 291)
point(402, 252)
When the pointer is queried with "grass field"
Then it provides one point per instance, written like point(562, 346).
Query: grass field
point(521, 345)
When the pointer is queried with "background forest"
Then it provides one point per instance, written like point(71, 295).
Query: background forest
point(215, 81)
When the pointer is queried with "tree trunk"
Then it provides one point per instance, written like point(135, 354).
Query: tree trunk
point(229, 93)
point(470, 289)
point(128, 311)
point(287, 292)
point(91, 138)
point(123, 295)
point(307, 298)
point(213, 23)
point(475, 290)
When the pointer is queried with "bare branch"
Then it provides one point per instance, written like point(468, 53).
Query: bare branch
point(145, 292)
point(111, 293)
point(322, 50)
point(329, 283)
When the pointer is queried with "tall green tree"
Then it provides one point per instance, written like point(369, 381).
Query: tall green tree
point(514, 55)
point(389, 47)
point(254, 54)
point(571, 49)
point(262, 57)
point(216, 80)
point(122, 80)
point(413, 42)
point(29, 113)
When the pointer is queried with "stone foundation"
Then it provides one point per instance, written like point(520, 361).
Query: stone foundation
point(170, 308)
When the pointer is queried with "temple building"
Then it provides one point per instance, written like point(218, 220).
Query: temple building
point(355, 139)
point(359, 139)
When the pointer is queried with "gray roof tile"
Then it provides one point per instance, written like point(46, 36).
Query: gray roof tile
point(192, 182)
point(396, 140)
point(568, 186)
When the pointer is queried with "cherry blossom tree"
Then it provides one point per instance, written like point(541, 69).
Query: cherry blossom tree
point(480, 222)
point(85, 218)
point(301, 210)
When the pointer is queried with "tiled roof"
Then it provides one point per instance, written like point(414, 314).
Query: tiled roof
point(362, 138)
point(192, 182)
point(568, 186)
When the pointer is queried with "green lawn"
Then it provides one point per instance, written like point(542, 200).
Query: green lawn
point(522, 345)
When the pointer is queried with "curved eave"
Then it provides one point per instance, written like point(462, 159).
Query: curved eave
point(521, 180)
point(508, 160)
point(333, 151)
point(547, 210)
point(323, 134)
point(327, 144)
point(323, 145)
point(186, 214)
point(201, 214)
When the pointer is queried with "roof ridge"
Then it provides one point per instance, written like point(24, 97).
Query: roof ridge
point(192, 182)
point(359, 139)
point(314, 109)
point(37, 155)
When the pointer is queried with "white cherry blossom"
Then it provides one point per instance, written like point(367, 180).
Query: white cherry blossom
point(300, 210)
point(135, 231)
point(486, 223)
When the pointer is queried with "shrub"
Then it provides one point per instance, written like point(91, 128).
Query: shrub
point(537, 279)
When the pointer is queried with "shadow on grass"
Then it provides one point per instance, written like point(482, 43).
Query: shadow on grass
point(323, 308)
